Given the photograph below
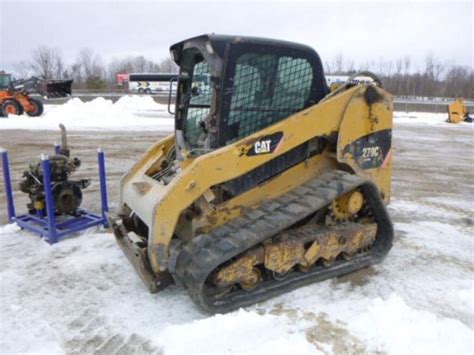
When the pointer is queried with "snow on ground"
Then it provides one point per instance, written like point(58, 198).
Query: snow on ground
point(81, 295)
point(129, 112)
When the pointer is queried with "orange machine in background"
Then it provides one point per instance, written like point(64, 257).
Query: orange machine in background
point(15, 96)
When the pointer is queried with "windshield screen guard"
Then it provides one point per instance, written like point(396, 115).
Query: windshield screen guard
point(195, 115)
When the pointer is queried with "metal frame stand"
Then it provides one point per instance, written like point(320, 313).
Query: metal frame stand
point(51, 227)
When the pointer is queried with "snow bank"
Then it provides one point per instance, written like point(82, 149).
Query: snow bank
point(142, 103)
point(239, 332)
point(129, 112)
point(397, 328)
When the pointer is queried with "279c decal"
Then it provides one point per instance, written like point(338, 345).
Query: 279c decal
point(371, 152)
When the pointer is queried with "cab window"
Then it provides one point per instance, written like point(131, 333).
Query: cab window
point(267, 88)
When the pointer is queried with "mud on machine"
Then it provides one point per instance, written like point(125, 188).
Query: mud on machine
point(54, 210)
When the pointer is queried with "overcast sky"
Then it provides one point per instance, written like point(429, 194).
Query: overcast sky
point(362, 31)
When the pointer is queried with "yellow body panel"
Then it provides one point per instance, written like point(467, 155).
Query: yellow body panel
point(457, 111)
point(286, 181)
point(379, 118)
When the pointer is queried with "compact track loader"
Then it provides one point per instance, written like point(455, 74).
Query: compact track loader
point(269, 181)
point(458, 112)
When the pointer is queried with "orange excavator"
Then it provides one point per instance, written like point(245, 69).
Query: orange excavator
point(15, 95)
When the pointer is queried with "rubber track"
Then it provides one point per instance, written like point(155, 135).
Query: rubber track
point(198, 258)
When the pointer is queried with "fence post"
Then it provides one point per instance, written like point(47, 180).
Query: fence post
point(103, 185)
point(50, 210)
point(8, 185)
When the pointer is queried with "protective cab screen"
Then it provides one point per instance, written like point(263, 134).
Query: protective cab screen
point(267, 89)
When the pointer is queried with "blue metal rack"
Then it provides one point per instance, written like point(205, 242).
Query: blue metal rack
point(51, 227)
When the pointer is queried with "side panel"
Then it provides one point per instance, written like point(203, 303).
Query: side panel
point(365, 137)
point(270, 189)
point(137, 189)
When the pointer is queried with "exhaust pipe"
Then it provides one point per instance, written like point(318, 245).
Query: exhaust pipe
point(64, 148)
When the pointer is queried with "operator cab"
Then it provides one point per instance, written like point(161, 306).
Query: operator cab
point(231, 86)
point(5, 80)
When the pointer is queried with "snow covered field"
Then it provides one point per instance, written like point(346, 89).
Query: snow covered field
point(81, 295)
point(138, 113)
point(129, 112)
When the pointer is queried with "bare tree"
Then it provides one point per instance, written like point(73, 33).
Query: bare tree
point(385, 67)
point(167, 65)
point(59, 67)
point(434, 79)
point(406, 75)
point(89, 70)
point(339, 64)
point(432, 75)
point(459, 82)
point(90, 63)
point(399, 66)
point(143, 65)
point(327, 67)
point(76, 73)
point(406, 65)
point(140, 64)
point(366, 66)
point(22, 69)
point(46, 62)
point(350, 67)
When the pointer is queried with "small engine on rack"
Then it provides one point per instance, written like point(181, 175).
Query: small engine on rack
point(67, 194)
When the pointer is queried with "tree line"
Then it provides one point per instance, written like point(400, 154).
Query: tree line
point(432, 79)
point(89, 71)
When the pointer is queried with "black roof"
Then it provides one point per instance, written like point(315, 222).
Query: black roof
point(152, 76)
point(219, 42)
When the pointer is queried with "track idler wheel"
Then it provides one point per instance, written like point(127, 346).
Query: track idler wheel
point(252, 281)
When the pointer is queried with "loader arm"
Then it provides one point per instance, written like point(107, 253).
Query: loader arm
point(48, 88)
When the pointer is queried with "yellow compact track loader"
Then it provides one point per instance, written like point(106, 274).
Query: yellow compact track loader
point(458, 112)
point(269, 181)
